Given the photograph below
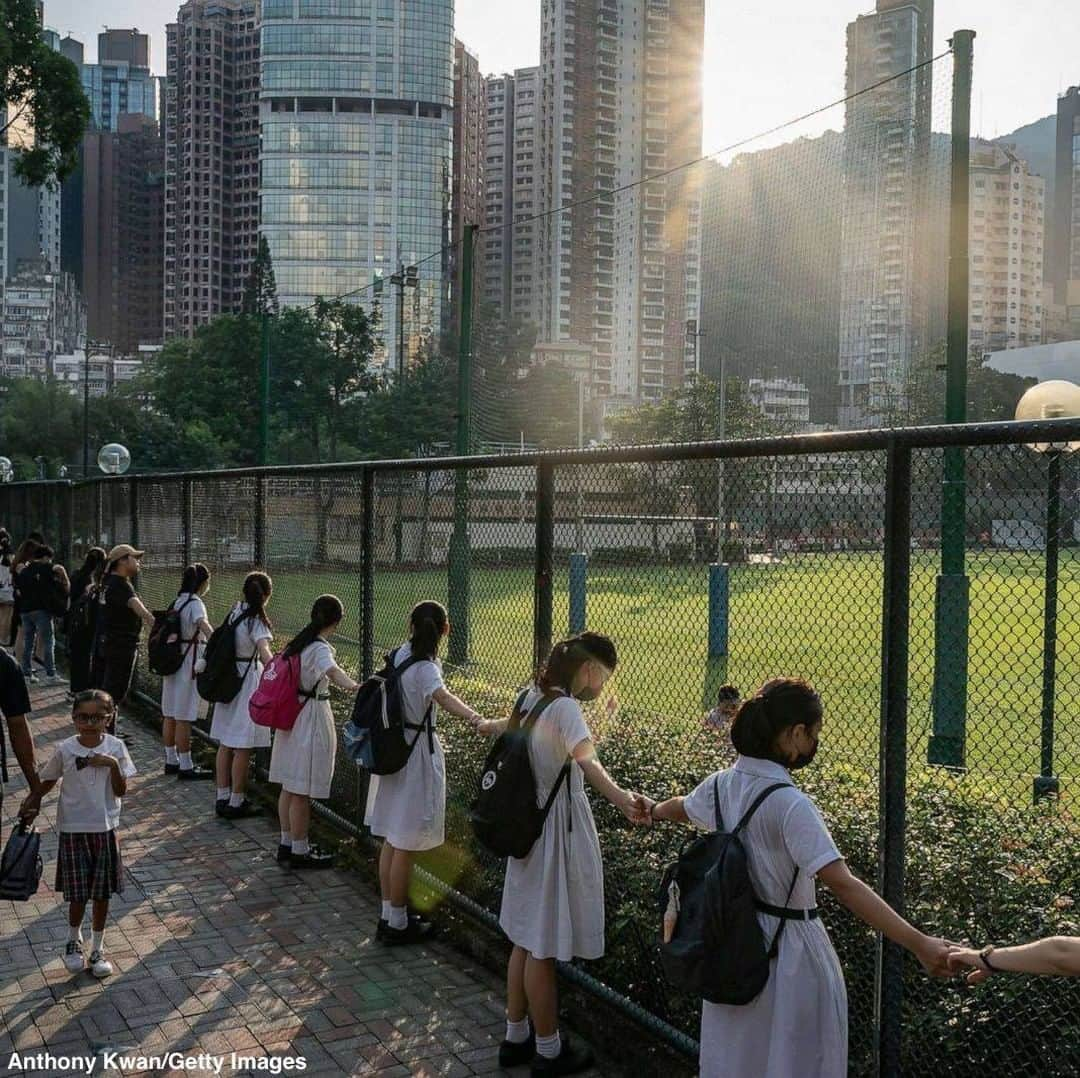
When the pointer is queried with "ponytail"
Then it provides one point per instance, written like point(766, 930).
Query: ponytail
point(258, 588)
point(326, 611)
point(194, 577)
point(568, 657)
point(427, 624)
point(775, 707)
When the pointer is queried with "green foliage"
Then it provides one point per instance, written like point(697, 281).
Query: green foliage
point(260, 289)
point(42, 91)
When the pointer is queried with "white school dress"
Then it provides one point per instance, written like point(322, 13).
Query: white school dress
point(797, 1027)
point(303, 757)
point(232, 725)
point(179, 696)
point(553, 899)
point(408, 808)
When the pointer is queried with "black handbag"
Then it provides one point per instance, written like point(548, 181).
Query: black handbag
point(20, 865)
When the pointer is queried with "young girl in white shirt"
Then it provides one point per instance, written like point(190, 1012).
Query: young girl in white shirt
point(797, 1026)
point(179, 696)
point(303, 757)
point(92, 768)
point(407, 810)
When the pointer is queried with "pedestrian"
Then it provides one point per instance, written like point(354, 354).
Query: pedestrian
point(718, 721)
point(1056, 956)
point(179, 696)
point(553, 898)
point(15, 708)
point(122, 616)
point(303, 757)
point(93, 769)
point(19, 560)
point(797, 1026)
point(237, 736)
point(81, 625)
point(7, 588)
point(43, 594)
point(407, 809)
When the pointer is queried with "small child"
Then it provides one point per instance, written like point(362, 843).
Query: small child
point(92, 768)
point(727, 703)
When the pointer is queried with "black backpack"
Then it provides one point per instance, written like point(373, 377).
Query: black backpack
point(375, 737)
point(718, 950)
point(82, 617)
point(219, 683)
point(505, 816)
point(59, 597)
point(167, 649)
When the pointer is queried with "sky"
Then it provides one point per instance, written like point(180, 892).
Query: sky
point(765, 62)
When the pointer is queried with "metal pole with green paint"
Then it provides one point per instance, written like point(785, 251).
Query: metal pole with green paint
point(458, 648)
point(951, 605)
point(264, 391)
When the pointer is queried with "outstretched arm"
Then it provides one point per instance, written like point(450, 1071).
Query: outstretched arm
point(629, 804)
point(456, 706)
point(1055, 956)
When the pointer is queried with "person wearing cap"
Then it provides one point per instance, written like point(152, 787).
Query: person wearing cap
point(122, 618)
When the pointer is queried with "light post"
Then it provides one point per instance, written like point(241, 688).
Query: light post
point(114, 459)
point(1050, 400)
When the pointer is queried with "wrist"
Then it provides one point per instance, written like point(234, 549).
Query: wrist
point(984, 958)
point(652, 811)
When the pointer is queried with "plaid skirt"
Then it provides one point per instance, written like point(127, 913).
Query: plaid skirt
point(88, 866)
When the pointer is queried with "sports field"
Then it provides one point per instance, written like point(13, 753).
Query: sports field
point(815, 616)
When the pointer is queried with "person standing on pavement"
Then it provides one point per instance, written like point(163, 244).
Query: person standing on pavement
point(19, 560)
point(15, 707)
point(7, 588)
point(122, 617)
point(43, 594)
point(82, 618)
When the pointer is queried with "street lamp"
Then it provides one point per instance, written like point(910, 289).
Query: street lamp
point(7, 470)
point(1050, 400)
point(114, 459)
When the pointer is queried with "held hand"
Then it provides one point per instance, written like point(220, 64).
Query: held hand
point(933, 953)
point(102, 759)
point(643, 807)
point(487, 727)
point(967, 960)
point(30, 807)
point(200, 666)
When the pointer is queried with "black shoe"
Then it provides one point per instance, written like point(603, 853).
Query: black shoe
point(172, 769)
point(517, 1055)
point(316, 858)
point(414, 932)
point(220, 805)
point(239, 812)
point(284, 852)
point(384, 924)
point(124, 736)
point(194, 774)
point(571, 1059)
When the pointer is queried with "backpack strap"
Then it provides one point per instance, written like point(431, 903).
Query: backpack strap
point(774, 950)
point(753, 807)
point(527, 724)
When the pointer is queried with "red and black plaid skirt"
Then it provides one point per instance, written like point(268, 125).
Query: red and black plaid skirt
point(88, 866)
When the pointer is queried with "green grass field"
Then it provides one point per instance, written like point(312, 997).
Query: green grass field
point(814, 616)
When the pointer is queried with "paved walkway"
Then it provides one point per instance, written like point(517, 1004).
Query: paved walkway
point(219, 951)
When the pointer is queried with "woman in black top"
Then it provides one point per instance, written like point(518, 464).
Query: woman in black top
point(82, 618)
point(122, 618)
point(43, 591)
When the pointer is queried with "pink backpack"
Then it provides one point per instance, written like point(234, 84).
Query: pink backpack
point(279, 698)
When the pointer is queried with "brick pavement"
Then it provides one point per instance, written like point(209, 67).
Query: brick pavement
point(219, 950)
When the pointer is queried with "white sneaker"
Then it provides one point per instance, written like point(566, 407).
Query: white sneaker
point(31, 679)
point(55, 679)
point(73, 957)
point(100, 966)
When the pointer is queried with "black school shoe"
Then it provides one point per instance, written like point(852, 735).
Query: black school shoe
point(220, 805)
point(572, 1059)
point(314, 859)
point(172, 769)
point(239, 812)
point(194, 774)
point(416, 931)
point(517, 1055)
point(383, 925)
point(284, 853)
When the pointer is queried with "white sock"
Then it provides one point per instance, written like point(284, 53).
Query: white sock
point(97, 944)
point(385, 915)
point(185, 761)
point(171, 755)
point(286, 838)
point(399, 917)
point(236, 800)
point(224, 792)
point(549, 1047)
point(301, 846)
point(74, 933)
point(517, 1032)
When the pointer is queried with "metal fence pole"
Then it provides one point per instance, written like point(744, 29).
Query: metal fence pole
point(367, 571)
point(67, 523)
point(99, 512)
point(185, 521)
point(1046, 782)
point(258, 544)
point(543, 596)
point(133, 511)
point(893, 748)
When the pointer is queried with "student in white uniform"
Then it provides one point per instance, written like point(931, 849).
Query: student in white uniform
point(232, 727)
point(179, 696)
point(797, 1026)
point(303, 757)
point(407, 810)
point(553, 899)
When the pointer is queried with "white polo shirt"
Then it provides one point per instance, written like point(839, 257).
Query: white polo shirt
point(87, 801)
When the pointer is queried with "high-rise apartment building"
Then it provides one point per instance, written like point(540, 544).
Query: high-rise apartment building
point(885, 273)
point(508, 252)
point(620, 99)
point(42, 317)
point(1065, 234)
point(120, 82)
point(123, 231)
point(211, 137)
point(1007, 231)
point(356, 111)
point(467, 186)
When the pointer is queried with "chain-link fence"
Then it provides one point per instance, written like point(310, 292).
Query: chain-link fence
point(814, 557)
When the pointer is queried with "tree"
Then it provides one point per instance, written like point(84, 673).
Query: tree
point(42, 93)
point(260, 289)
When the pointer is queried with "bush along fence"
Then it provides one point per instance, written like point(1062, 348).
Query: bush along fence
point(710, 563)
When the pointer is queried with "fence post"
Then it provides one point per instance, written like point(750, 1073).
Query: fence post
point(133, 511)
point(543, 595)
point(67, 522)
point(893, 747)
point(719, 588)
point(579, 594)
point(367, 571)
point(99, 523)
point(185, 520)
point(259, 552)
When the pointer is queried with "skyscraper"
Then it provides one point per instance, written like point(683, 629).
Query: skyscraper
point(885, 303)
point(1065, 234)
point(467, 201)
point(211, 160)
point(120, 82)
point(620, 98)
point(356, 107)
